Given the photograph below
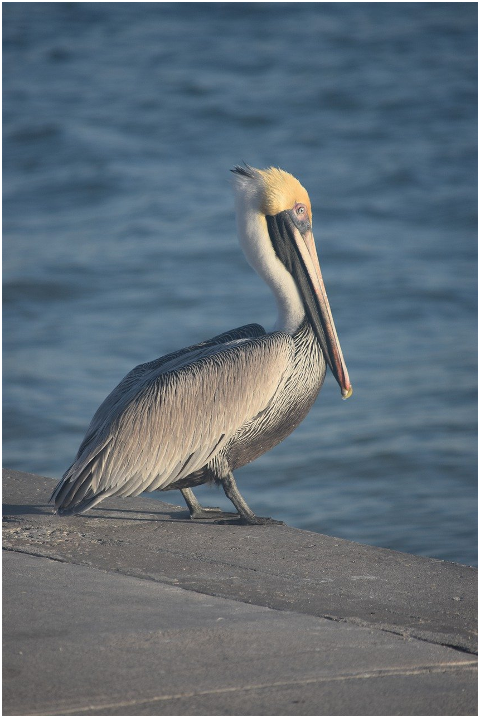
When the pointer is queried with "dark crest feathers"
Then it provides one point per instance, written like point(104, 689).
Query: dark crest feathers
point(246, 171)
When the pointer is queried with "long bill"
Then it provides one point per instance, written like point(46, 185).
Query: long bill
point(328, 335)
point(297, 251)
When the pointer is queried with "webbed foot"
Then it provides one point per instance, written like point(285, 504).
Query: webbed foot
point(262, 521)
point(252, 521)
point(212, 513)
point(198, 512)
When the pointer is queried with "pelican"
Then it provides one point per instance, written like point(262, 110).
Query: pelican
point(196, 415)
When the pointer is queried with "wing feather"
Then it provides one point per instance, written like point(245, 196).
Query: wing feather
point(177, 416)
point(169, 361)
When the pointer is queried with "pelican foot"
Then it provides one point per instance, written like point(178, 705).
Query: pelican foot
point(253, 521)
point(262, 521)
point(212, 513)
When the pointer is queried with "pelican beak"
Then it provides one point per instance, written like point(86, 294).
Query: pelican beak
point(295, 246)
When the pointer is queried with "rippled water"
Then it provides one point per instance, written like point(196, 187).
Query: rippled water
point(121, 121)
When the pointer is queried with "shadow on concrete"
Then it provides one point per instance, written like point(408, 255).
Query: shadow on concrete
point(102, 513)
point(24, 509)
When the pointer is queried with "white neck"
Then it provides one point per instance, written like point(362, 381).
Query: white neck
point(258, 249)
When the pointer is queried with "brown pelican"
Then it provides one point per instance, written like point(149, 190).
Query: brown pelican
point(197, 414)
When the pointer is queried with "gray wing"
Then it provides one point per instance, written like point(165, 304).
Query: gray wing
point(176, 417)
point(135, 376)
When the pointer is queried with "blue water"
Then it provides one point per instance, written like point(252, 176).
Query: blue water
point(121, 121)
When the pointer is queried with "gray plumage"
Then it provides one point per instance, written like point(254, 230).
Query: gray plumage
point(192, 416)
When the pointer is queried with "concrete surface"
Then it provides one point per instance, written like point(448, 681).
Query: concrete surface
point(135, 610)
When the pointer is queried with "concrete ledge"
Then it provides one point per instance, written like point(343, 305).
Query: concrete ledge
point(133, 609)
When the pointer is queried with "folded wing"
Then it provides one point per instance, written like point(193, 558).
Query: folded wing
point(174, 418)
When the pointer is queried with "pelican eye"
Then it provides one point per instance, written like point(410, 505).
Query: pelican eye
point(299, 215)
point(300, 210)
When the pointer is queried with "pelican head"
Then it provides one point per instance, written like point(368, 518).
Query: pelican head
point(274, 218)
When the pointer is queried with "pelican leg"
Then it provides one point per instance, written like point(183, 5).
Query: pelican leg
point(246, 514)
point(197, 511)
